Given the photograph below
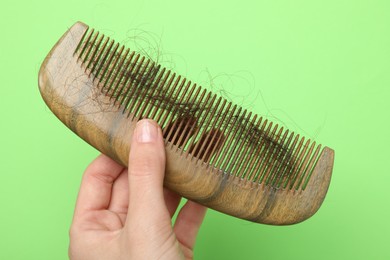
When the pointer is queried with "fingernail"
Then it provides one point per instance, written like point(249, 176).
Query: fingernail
point(146, 131)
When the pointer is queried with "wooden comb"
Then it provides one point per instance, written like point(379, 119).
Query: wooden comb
point(218, 154)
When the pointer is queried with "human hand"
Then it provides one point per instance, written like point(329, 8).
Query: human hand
point(126, 213)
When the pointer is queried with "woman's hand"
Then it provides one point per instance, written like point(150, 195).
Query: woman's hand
point(126, 213)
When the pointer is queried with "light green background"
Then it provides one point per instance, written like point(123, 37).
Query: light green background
point(321, 67)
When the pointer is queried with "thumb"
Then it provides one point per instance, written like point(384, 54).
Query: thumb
point(146, 172)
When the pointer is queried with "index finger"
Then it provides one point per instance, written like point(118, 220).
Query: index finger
point(96, 185)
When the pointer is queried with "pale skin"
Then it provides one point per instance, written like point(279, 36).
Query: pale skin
point(125, 213)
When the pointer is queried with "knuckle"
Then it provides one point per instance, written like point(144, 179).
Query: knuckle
point(143, 167)
point(73, 231)
point(146, 163)
point(104, 177)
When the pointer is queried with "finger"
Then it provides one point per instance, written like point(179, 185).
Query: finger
point(172, 201)
point(120, 195)
point(188, 223)
point(146, 172)
point(96, 185)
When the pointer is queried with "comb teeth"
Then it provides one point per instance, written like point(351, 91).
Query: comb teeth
point(204, 126)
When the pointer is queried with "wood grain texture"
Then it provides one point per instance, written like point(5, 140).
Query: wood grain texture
point(72, 94)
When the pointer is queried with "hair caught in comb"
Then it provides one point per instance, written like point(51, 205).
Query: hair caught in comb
point(218, 153)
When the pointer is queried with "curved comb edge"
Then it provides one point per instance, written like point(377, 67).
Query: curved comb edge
point(72, 97)
point(68, 42)
point(245, 199)
point(299, 205)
